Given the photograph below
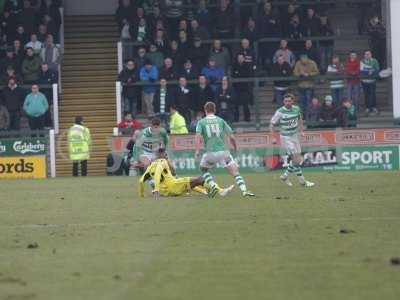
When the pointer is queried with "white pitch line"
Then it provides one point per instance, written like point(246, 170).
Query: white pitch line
point(102, 224)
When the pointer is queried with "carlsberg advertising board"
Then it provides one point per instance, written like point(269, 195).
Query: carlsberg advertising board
point(23, 146)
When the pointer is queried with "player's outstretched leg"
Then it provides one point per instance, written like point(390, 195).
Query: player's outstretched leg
point(209, 183)
point(299, 173)
point(285, 176)
point(239, 180)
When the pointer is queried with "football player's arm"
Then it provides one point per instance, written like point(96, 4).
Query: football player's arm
point(301, 125)
point(157, 177)
point(274, 122)
point(171, 167)
point(141, 185)
point(197, 141)
point(232, 139)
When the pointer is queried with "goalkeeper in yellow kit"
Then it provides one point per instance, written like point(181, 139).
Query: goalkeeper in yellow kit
point(167, 184)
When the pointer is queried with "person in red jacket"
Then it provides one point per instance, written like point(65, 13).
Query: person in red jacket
point(129, 123)
point(353, 83)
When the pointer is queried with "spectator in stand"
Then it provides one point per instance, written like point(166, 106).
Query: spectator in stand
point(189, 71)
point(193, 124)
point(162, 101)
point(244, 90)
point(227, 101)
point(296, 31)
point(148, 73)
point(213, 74)
point(34, 44)
point(140, 58)
point(287, 54)
point(13, 97)
point(10, 73)
point(353, 83)
point(304, 69)
point(137, 16)
point(160, 41)
point(202, 94)
point(8, 23)
point(21, 35)
point(184, 99)
point(31, 67)
point(156, 18)
point(311, 23)
point(168, 71)
point(286, 18)
point(199, 31)
point(13, 6)
point(50, 54)
point(42, 33)
point(175, 54)
point(267, 27)
point(55, 19)
point(250, 32)
point(129, 123)
point(224, 21)
point(173, 11)
point(203, 15)
point(377, 40)
point(220, 55)
point(27, 17)
point(347, 114)
point(35, 107)
point(140, 31)
point(19, 54)
point(248, 53)
point(124, 11)
point(4, 117)
point(369, 66)
point(328, 115)
point(130, 93)
point(337, 85)
point(281, 68)
point(156, 57)
point(326, 47)
point(177, 123)
point(198, 54)
point(183, 47)
point(311, 51)
point(8, 61)
point(313, 113)
point(48, 77)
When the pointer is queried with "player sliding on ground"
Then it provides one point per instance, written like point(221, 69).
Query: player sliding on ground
point(165, 182)
point(288, 119)
point(212, 130)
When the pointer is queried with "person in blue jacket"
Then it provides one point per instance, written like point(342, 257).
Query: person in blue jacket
point(149, 73)
point(213, 74)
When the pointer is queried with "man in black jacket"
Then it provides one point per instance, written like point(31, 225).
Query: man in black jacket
point(184, 100)
point(47, 77)
point(281, 69)
point(13, 97)
point(130, 93)
point(198, 54)
point(244, 90)
point(168, 71)
point(202, 94)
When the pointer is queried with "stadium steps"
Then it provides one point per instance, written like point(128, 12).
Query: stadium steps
point(88, 80)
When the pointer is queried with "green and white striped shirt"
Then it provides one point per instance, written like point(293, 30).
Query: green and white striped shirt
point(287, 120)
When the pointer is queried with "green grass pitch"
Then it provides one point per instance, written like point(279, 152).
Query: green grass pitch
point(93, 239)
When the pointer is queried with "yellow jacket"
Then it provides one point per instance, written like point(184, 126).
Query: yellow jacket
point(177, 124)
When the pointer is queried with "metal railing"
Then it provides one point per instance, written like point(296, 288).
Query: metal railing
point(257, 84)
